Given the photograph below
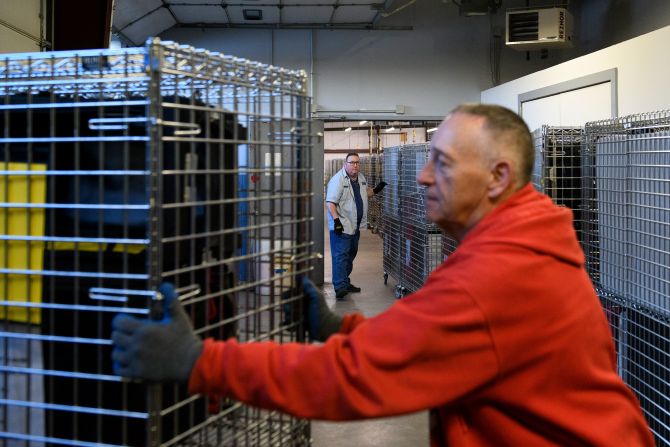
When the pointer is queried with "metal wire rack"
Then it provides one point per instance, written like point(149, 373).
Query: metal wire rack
point(413, 246)
point(330, 168)
point(122, 169)
point(372, 168)
point(557, 170)
point(449, 245)
point(626, 193)
point(391, 224)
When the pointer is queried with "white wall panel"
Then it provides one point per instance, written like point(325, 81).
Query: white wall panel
point(573, 108)
point(642, 83)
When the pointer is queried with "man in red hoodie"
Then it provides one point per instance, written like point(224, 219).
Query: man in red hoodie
point(508, 343)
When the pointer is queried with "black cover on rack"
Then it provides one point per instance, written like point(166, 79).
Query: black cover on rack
point(201, 215)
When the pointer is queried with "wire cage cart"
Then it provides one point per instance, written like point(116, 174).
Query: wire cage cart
point(372, 168)
point(391, 224)
point(449, 245)
point(413, 246)
point(330, 168)
point(122, 169)
point(557, 171)
point(627, 245)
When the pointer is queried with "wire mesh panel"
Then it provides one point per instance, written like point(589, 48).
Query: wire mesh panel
point(391, 226)
point(420, 252)
point(421, 248)
point(420, 245)
point(122, 169)
point(627, 244)
point(557, 171)
point(411, 195)
point(373, 169)
point(391, 170)
point(330, 168)
point(449, 244)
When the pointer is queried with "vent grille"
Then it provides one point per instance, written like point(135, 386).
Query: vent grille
point(523, 27)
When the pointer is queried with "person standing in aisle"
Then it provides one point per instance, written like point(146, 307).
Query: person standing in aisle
point(347, 202)
point(506, 343)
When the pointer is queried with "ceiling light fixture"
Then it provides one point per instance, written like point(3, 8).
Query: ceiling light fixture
point(432, 129)
point(390, 129)
point(252, 14)
point(362, 122)
point(348, 129)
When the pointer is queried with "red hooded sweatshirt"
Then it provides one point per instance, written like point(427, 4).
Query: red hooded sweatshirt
point(506, 343)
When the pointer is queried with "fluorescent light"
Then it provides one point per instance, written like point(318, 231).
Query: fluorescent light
point(432, 129)
point(348, 129)
point(390, 129)
point(362, 122)
point(252, 14)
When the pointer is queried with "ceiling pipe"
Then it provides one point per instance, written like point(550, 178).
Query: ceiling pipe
point(316, 26)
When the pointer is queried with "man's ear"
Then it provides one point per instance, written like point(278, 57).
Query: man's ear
point(501, 178)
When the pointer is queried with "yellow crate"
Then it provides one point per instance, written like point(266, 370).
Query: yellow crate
point(27, 255)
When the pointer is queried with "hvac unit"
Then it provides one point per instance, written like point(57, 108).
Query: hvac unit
point(536, 29)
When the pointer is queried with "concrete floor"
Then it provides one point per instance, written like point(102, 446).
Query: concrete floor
point(374, 298)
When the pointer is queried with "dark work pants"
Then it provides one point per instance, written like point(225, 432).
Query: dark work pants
point(343, 248)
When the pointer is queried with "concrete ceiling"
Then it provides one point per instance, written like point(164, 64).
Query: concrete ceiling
point(135, 20)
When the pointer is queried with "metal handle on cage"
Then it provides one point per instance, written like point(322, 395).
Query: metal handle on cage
point(295, 259)
point(120, 123)
point(117, 295)
point(156, 310)
point(192, 128)
point(305, 257)
point(187, 292)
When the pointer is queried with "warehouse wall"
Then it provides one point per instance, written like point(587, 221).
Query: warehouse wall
point(603, 23)
point(366, 140)
point(20, 15)
point(443, 61)
point(642, 85)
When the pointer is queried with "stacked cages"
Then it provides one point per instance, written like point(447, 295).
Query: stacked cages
point(557, 170)
point(449, 245)
point(330, 168)
point(627, 246)
point(413, 246)
point(372, 168)
point(391, 217)
point(122, 169)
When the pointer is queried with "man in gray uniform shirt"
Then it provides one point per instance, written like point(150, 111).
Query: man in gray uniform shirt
point(347, 214)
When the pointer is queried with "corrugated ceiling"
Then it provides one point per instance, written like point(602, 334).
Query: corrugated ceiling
point(135, 20)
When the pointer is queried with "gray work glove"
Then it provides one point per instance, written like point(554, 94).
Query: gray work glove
point(321, 321)
point(337, 226)
point(379, 187)
point(162, 350)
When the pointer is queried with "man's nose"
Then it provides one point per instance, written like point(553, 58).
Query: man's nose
point(425, 176)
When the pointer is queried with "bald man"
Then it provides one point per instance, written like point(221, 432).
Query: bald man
point(506, 343)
